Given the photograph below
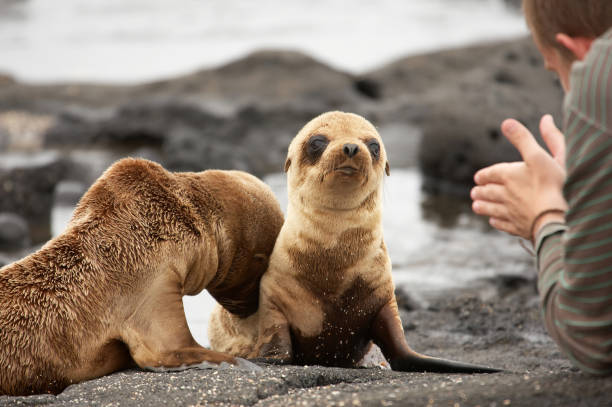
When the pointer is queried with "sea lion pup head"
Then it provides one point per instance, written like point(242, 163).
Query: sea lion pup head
point(337, 161)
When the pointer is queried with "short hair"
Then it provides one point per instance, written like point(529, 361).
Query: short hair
point(576, 18)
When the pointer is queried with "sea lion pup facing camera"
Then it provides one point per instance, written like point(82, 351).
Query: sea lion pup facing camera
point(328, 290)
point(108, 291)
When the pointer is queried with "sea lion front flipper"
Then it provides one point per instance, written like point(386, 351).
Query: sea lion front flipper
point(157, 333)
point(388, 334)
point(274, 341)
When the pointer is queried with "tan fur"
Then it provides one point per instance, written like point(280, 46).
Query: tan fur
point(329, 270)
point(328, 291)
point(107, 292)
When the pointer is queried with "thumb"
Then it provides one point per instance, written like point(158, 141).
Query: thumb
point(554, 139)
point(522, 139)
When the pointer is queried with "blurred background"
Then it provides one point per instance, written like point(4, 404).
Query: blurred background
point(227, 84)
point(141, 40)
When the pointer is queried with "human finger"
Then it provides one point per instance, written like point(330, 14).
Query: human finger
point(490, 209)
point(522, 139)
point(494, 174)
point(554, 139)
point(504, 226)
point(488, 192)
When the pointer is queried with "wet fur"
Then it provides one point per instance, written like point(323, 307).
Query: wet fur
point(328, 291)
point(107, 293)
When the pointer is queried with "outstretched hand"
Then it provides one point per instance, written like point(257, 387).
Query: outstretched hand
point(513, 195)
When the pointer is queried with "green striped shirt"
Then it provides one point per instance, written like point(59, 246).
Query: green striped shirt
point(575, 259)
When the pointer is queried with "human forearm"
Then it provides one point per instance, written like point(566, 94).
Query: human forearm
point(575, 283)
point(575, 310)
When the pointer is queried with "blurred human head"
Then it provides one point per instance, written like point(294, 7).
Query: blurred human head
point(563, 30)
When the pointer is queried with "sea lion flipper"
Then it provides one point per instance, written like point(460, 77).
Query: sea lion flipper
point(148, 338)
point(388, 334)
point(274, 335)
point(422, 363)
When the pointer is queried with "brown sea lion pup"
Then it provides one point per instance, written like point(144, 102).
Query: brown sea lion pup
point(108, 291)
point(328, 291)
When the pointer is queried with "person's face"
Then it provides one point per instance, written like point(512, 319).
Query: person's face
point(555, 61)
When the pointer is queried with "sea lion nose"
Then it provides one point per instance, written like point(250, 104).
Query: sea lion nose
point(350, 149)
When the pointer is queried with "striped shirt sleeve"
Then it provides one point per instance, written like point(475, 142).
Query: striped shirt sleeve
point(575, 259)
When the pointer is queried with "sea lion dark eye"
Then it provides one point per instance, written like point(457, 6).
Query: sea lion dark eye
point(374, 148)
point(316, 145)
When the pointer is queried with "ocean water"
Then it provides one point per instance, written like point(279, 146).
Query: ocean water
point(141, 40)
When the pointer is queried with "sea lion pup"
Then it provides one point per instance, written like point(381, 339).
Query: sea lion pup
point(108, 291)
point(328, 290)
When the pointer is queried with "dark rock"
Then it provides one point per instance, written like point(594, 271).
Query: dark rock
point(26, 188)
point(461, 142)
point(267, 135)
point(466, 94)
point(14, 232)
point(272, 386)
point(405, 300)
point(36, 400)
point(268, 79)
point(191, 149)
point(505, 77)
point(507, 284)
point(369, 88)
point(242, 115)
point(132, 126)
point(253, 140)
point(187, 138)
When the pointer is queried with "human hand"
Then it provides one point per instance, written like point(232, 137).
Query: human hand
point(514, 195)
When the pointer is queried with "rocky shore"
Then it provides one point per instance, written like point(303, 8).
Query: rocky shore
point(498, 327)
point(242, 116)
point(438, 112)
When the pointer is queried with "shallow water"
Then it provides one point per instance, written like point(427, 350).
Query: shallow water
point(141, 40)
point(434, 243)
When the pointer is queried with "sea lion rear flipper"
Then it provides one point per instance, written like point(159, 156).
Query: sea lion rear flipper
point(422, 363)
point(388, 334)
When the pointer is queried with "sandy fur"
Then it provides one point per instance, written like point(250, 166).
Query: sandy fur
point(106, 293)
point(333, 229)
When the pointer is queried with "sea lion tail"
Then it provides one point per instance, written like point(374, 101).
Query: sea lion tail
point(421, 363)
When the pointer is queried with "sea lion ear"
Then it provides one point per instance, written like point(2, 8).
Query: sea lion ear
point(387, 169)
point(287, 164)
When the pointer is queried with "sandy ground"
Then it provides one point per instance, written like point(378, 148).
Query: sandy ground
point(495, 322)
